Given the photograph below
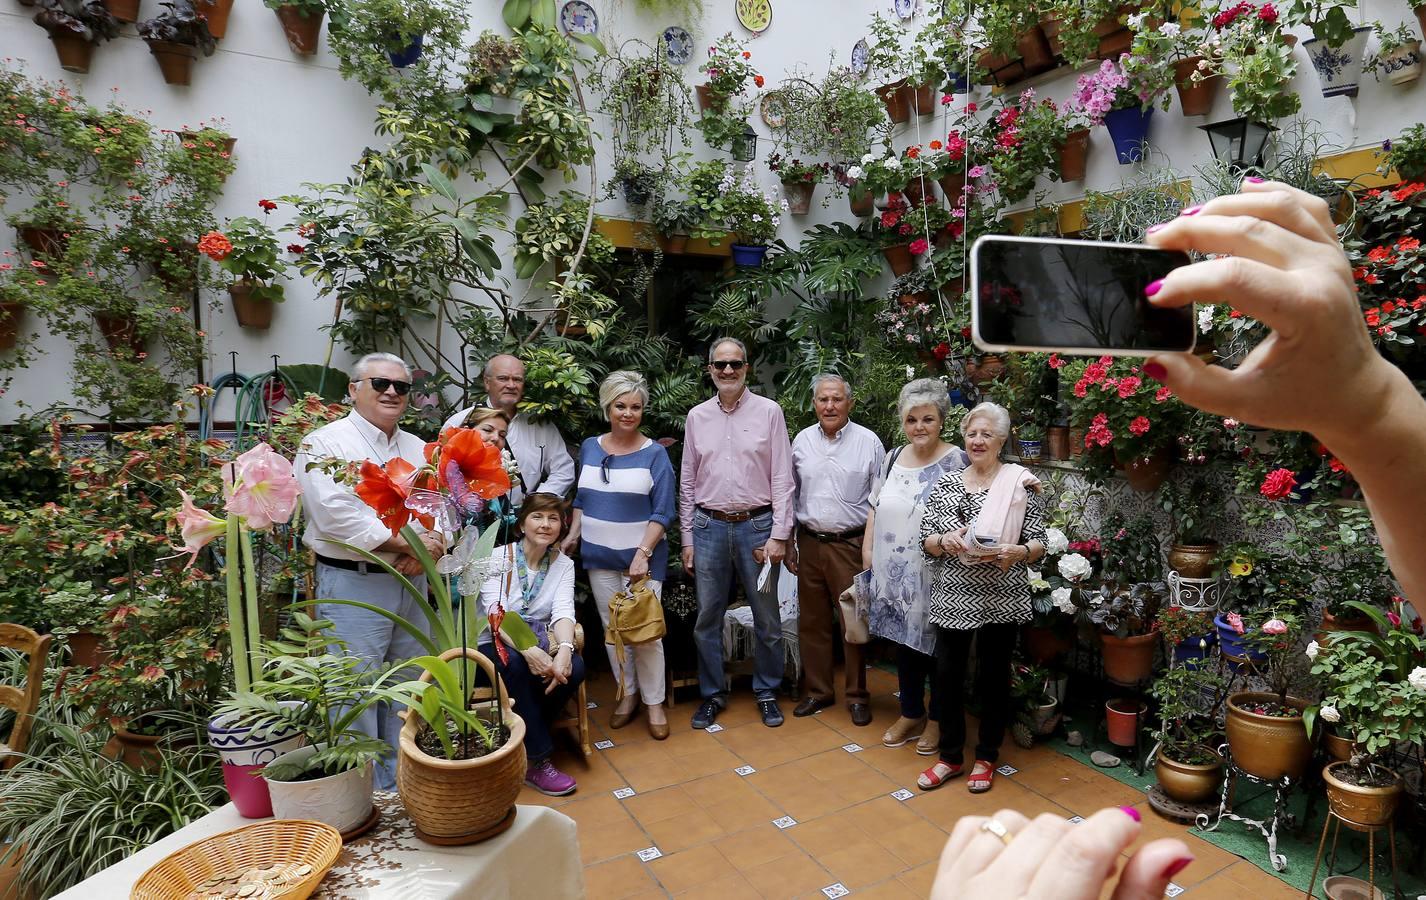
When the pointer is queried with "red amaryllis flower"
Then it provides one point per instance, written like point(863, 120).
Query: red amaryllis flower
point(479, 462)
point(1278, 484)
point(267, 205)
point(386, 489)
point(215, 245)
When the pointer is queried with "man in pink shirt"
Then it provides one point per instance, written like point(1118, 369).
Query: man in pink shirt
point(735, 513)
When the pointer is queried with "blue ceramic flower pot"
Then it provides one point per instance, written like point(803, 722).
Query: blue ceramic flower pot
point(1195, 649)
point(410, 54)
point(749, 256)
point(1129, 128)
point(1235, 644)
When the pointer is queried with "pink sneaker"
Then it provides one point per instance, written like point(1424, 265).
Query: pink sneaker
point(545, 778)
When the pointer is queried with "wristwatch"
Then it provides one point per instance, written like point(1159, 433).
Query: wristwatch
point(647, 552)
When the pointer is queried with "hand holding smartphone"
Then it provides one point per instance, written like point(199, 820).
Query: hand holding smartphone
point(1081, 298)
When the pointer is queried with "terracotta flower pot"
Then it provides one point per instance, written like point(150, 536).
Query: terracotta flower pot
point(899, 258)
point(1146, 472)
point(1188, 782)
point(12, 314)
point(1269, 747)
point(74, 51)
point(989, 368)
point(923, 97)
point(894, 99)
point(301, 30)
point(47, 242)
point(1193, 560)
point(1076, 442)
point(1370, 807)
point(1035, 51)
point(1196, 99)
point(952, 186)
point(954, 290)
point(120, 332)
point(799, 196)
point(86, 649)
point(1121, 719)
point(1331, 623)
point(1074, 155)
point(124, 10)
point(1128, 660)
point(217, 13)
point(1044, 644)
point(863, 205)
point(1002, 69)
point(676, 243)
point(175, 61)
point(1057, 441)
point(252, 312)
point(144, 752)
point(707, 99)
point(919, 190)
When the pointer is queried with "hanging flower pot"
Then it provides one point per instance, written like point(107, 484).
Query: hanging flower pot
point(74, 51)
point(919, 190)
point(707, 99)
point(45, 242)
point(861, 202)
point(1121, 719)
point(1034, 51)
point(1146, 471)
point(1403, 65)
point(1129, 129)
point(175, 61)
point(952, 186)
point(1420, 10)
point(120, 332)
point(217, 13)
point(1128, 660)
point(408, 54)
point(1002, 69)
point(799, 196)
point(11, 316)
point(301, 29)
point(895, 100)
point(1030, 450)
point(252, 312)
point(1195, 98)
point(1339, 68)
point(1074, 155)
point(123, 10)
point(749, 256)
point(899, 258)
point(924, 98)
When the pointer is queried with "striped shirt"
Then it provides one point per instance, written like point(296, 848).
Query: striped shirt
point(615, 513)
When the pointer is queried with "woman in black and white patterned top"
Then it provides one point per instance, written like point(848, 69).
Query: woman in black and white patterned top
point(984, 602)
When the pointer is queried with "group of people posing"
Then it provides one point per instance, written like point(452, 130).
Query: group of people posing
point(945, 534)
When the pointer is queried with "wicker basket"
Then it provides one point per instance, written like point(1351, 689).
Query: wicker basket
point(466, 800)
point(261, 845)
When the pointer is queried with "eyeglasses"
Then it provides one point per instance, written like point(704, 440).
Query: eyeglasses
point(381, 385)
point(721, 364)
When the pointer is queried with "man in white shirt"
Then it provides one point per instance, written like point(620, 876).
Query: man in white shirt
point(539, 450)
point(834, 464)
point(380, 390)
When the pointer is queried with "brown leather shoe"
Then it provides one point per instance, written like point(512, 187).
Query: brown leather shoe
point(811, 705)
point(619, 720)
point(658, 730)
point(861, 713)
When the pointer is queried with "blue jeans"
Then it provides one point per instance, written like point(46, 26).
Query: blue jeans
point(374, 638)
point(532, 704)
point(719, 550)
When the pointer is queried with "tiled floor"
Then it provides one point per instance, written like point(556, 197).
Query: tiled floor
point(715, 831)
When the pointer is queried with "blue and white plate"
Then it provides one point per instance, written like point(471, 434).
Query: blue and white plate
point(860, 52)
point(904, 8)
point(678, 44)
point(578, 17)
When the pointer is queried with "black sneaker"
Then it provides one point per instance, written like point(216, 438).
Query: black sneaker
point(707, 713)
point(772, 716)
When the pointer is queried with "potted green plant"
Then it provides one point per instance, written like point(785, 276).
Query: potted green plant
point(724, 111)
point(373, 34)
point(1015, 43)
point(1183, 49)
point(1035, 705)
point(675, 219)
point(1025, 139)
point(1123, 617)
point(1398, 54)
point(1265, 728)
point(301, 22)
point(1030, 437)
point(799, 181)
point(1121, 95)
point(76, 611)
point(1245, 43)
point(175, 38)
point(1358, 575)
point(1187, 767)
point(47, 225)
point(75, 27)
point(1406, 154)
point(1194, 508)
point(1188, 633)
point(638, 181)
point(887, 65)
point(1336, 47)
point(248, 250)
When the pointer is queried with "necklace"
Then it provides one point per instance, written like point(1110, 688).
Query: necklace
point(979, 484)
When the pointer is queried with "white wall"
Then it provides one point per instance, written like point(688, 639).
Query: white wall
point(297, 121)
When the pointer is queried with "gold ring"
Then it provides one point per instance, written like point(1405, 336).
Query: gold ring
point(997, 828)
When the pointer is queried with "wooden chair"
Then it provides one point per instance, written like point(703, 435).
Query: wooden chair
point(22, 700)
point(578, 724)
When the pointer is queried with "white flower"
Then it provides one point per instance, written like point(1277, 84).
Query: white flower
point(1074, 567)
point(1170, 29)
point(1061, 598)
point(910, 372)
point(1329, 713)
point(855, 172)
point(1136, 21)
point(1312, 648)
point(892, 162)
point(757, 218)
point(1205, 318)
point(868, 159)
point(1418, 678)
point(1055, 541)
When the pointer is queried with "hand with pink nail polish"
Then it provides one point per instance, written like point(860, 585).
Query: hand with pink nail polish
point(1049, 858)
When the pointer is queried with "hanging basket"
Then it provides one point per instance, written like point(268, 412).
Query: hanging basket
point(252, 312)
point(175, 61)
point(799, 196)
point(1129, 129)
point(1196, 98)
point(863, 205)
point(1074, 155)
point(1339, 68)
point(301, 30)
point(1403, 65)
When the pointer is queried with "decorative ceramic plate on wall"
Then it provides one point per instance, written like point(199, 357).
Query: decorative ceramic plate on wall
point(773, 109)
point(755, 15)
point(678, 44)
point(904, 8)
point(578, 17)
point(860, 53)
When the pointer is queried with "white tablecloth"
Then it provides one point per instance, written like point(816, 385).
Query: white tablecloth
point(538, 856)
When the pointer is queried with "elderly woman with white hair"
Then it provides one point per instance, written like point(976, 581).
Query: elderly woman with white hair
point(624, 501)
point(986, 524)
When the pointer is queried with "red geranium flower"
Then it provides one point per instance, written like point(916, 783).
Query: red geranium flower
point(295, 248)
point(758, 80)
point(942, 350)
point(919, 246)
point(267, 205)
point(1139, 425)
point(215, 245)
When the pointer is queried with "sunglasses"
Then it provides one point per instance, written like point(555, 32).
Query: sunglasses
point(381, 385)
point(734, 364)
point(605, 466)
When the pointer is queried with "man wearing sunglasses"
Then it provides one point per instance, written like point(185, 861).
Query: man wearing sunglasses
point(539, 450)
point(380, 390)
point(735, 514)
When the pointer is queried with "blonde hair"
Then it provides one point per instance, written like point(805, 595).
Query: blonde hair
point(484, 414)
point(619, 383)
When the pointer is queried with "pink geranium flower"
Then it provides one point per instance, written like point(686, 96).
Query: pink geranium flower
point(197, 526)
point(261, 487)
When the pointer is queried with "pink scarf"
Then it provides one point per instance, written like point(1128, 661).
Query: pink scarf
point(1002, 513)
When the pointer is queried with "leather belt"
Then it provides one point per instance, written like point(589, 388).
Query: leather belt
point(351, 565)
point(741, 516)
point(832, 537)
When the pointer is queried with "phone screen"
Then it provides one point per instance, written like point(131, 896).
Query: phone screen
point(1073, 297)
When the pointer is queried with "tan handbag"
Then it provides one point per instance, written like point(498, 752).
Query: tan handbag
point(635, 617)
point(853, 603)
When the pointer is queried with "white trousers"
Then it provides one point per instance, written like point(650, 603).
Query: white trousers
point(643, 663)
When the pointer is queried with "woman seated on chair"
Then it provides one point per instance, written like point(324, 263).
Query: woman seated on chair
point(537, 582)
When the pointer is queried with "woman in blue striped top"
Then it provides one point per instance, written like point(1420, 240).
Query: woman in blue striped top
point(623, 503)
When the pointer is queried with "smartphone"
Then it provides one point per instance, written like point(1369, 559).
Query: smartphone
point(1081, 298)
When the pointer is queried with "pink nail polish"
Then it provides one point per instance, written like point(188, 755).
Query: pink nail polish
point(1253, 179)
point(1131, 812)
point(1152, 228)
point(1177, 866)
point(1153, 287)
point(1191, 211)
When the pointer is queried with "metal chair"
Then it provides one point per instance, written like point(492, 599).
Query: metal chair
point(26, 699)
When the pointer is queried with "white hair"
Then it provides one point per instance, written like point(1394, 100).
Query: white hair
point(360, 366)
point(999, 418)
point(924, 392)
point(830, 376)
point(713, 347)
point(617, 384)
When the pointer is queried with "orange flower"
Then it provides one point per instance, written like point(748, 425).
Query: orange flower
point(214, 244)
point(479, 462)
point(386, 489)
point(934, 145)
